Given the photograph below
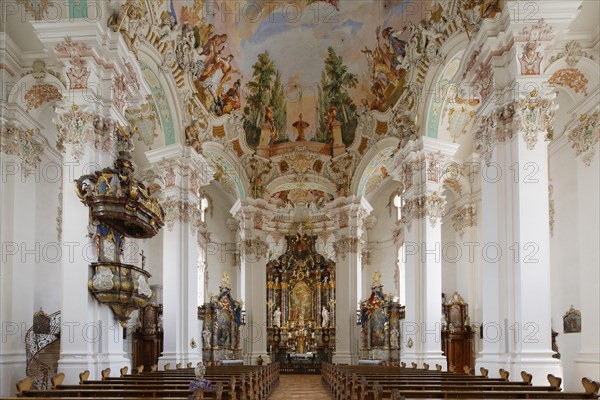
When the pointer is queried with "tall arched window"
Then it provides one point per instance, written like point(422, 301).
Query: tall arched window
point(201, 275)
point(398, 203)
point(203, 206)
point(401, 265)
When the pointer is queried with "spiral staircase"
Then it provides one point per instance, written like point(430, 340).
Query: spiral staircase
point(42, 346)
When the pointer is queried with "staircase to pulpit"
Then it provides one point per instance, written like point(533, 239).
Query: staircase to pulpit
point(42, 347)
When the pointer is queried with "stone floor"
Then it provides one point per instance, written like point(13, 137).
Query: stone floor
point(306, 387)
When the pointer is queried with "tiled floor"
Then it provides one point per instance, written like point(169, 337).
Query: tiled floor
point(305, 387)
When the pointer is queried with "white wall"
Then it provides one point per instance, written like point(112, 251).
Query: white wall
point(219, 253)
point(574, 253)
point(384, 253)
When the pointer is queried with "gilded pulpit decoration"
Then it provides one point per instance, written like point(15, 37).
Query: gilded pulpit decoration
point(120, 207)
point(379, 317)
point(119, 201)
point(222, 317)
point(300, 301)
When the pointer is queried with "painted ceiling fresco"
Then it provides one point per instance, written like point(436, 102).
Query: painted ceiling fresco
point(275, 60)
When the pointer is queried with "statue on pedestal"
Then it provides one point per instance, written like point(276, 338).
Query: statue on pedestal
point(325, 317)
point(277, 318)
point(206, 336)
point(394, 334)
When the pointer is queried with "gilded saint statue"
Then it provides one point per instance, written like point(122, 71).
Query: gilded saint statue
point(225, 281)
point(376, 279)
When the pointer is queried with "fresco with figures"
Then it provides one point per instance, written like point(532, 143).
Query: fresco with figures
point(315, 70)
point(328, 62)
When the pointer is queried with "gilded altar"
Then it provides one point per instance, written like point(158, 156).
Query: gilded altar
point(379, 317)
point(300, 301)
point(222, 317)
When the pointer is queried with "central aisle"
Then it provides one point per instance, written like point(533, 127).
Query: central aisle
point(305, 387)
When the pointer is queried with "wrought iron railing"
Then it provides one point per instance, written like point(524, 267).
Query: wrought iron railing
point(44, 332)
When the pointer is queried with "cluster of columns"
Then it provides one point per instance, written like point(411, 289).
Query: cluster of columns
point(184, 172)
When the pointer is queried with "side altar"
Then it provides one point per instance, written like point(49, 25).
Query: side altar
point(301, 303)
point(379, 317)
point(222, 317)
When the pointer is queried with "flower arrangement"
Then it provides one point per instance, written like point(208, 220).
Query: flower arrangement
point(200, 384)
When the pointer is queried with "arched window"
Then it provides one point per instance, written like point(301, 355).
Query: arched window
point(201, 275)
point(398, 203)
point(401, 265)
point(203, 205)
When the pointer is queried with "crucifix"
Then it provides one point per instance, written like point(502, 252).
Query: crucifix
point(143, 259)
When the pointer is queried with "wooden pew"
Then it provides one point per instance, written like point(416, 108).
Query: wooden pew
point(229, 383)
point(376, 383)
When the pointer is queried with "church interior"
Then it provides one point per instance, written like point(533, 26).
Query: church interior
point(317, 199)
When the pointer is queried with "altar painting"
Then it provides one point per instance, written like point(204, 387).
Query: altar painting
point(377, 325)
point(301, 302)
point(224, 328)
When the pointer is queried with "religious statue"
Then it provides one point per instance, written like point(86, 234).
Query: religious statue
point(394, 334)
point(376, 279)
point(325, 317)
point(225, 281)
point(206, 336)
point(277, 318)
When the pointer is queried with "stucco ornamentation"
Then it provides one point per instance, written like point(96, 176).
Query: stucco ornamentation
point(584, 137)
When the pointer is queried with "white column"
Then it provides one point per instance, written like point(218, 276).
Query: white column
point(516, 246)
point(253, 252)
point(514, 212)
point(350, 213)
point(421, 166)
point(86, 342)
point(184, 174)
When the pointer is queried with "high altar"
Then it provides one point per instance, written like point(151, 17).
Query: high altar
point(301, 302)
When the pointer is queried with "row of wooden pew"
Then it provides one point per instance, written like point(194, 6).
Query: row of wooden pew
point(228, 383)
point(373, 382)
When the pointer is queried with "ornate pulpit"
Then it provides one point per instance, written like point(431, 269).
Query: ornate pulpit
point(457, 334)
point(300, 302)
point(120, 207)
point(222, 317)
point(379, 317)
